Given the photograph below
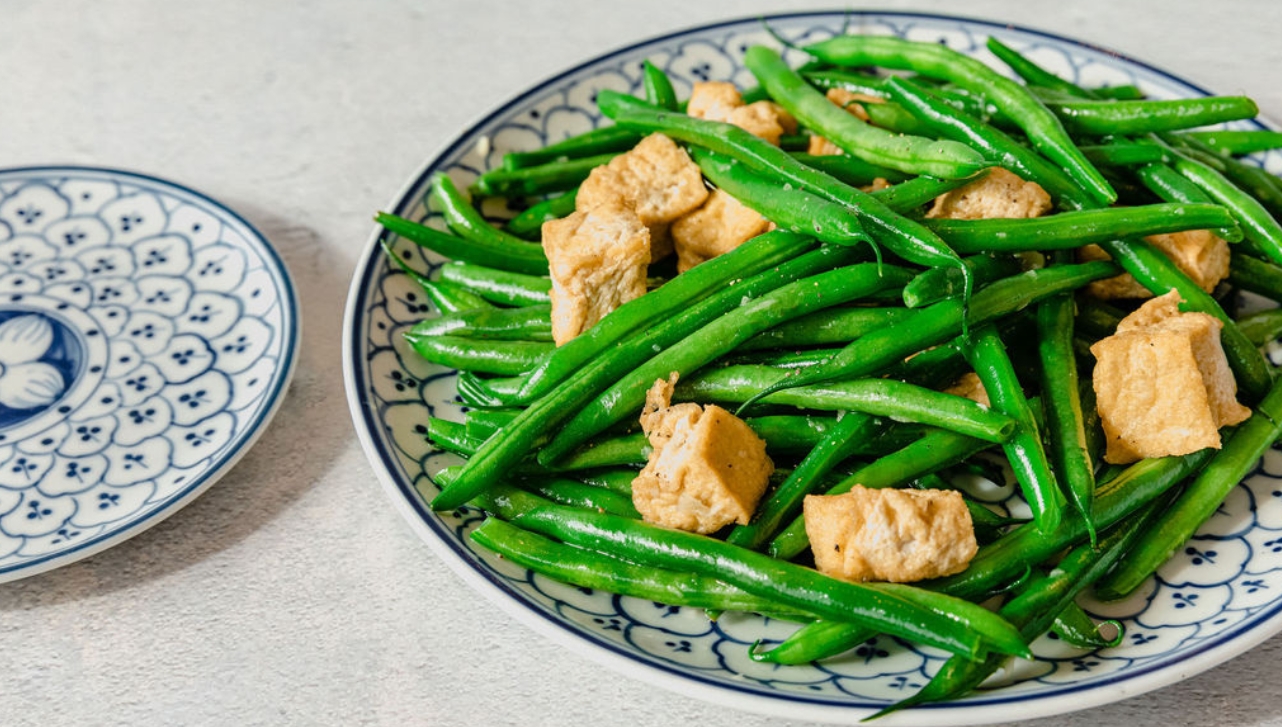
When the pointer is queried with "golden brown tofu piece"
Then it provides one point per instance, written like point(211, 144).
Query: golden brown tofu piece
point(719, 226)
point(970, 387)
point(1163, 384)
point(721, 101)
point(1201, 254)
point(597, 260)
point(708, 469)
point(850, 101)
point(999, 194)
point(890, 535)
point(656, 178)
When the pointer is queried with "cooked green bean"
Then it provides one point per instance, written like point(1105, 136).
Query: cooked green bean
point(1257, 224)
point(530, 323)
point(523, 258)
point(1105, 118)
point(910, 154)
point(1033, 74)
point(658, 88)
point(593, 143)
point(505, 358)
point(1262, 327)
point(1234, 142)
point(932, 59)
point(850, 169)
point(1076, 628)
point(530, 222)
point(826, 327)
point(934, 284)
point(553, 176)
point(498, 286)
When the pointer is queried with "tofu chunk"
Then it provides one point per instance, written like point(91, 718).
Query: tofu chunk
point(708, 469)
point(656, 178)
point(597, 260)
point(721, 101)
point(850, 101)
point(1163, 384)
point(719, 226)
point(970, 387)
point(890, 535)
point(999, 194)
point(1201, 254)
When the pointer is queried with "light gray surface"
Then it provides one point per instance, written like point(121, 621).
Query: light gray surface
point(292, 592)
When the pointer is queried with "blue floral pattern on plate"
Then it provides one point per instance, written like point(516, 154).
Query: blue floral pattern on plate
point(1218, 597)
point(146, 336)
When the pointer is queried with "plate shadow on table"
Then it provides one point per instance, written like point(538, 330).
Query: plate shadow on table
point(296, 449)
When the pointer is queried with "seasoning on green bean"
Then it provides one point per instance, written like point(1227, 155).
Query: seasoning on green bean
point(791, 209)
point(1236, 142)
point(1041, 126)
point(1110, 118)
point(910, 154)
point(626, 396)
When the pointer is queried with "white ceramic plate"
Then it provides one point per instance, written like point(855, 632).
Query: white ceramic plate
point(147, 334)
point(1217, 598)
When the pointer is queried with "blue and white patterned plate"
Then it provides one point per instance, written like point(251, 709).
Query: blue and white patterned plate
point(147, 334)
point(1217, 598)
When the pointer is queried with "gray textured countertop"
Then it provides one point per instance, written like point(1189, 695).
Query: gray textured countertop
point(292, 592)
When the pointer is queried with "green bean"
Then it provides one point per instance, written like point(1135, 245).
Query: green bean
point(1042, 127)
point(530, 323)
point(627, 449)
point(1027, 457)
point(500, 453)
point(658, 89)
point(505, 358)
point(498, 286)
point(1033, 74)
point(530, 222)
point(1241, 450)
point(905, 197)
point(1257, 224)
point(625, 398)
point(851, 170)
point(1171, 186)
point(893, 117)
point(577, 494)
point(783, 502)
point(1070, 230)
point(816, 640)
point(1033, 610)
point(1258, 276)
point(615, 480)
point(450, 436)
point(1234, 142)
point(1124, 154)
point(475, 390)
point(906, 238)
point(951, 624)
point(1253, 180)
point(1123, 92)
point(935, 284)
point(525, 258)
point(835, 325)
point(593, 143)
point(467, 222)
point(910, 154)
point(935, 450)
point(995, 144)
point(940, 322)
point(1105, 118)
point(1262, 327)
point(1065, 422)
point(553, 176)
point(1076, 628)
point(790, 209)
point(447, 298)
point(749, 259)
point(589, 569)
point(876, 396)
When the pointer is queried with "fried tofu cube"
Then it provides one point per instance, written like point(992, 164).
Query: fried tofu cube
point(1163, 384)
point(708, 469)
point(656, 178)
point(719, 226)
point(890, 535)
point(1201, 254)
point(721, 101)
point(970, 387)
point(850, 101)
point(597, 260)
point(999, 194)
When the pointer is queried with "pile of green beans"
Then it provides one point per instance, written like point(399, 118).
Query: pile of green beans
point(837, 335)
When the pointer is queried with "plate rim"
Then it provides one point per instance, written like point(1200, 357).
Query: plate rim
point(292, 330)
point(985, 709)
